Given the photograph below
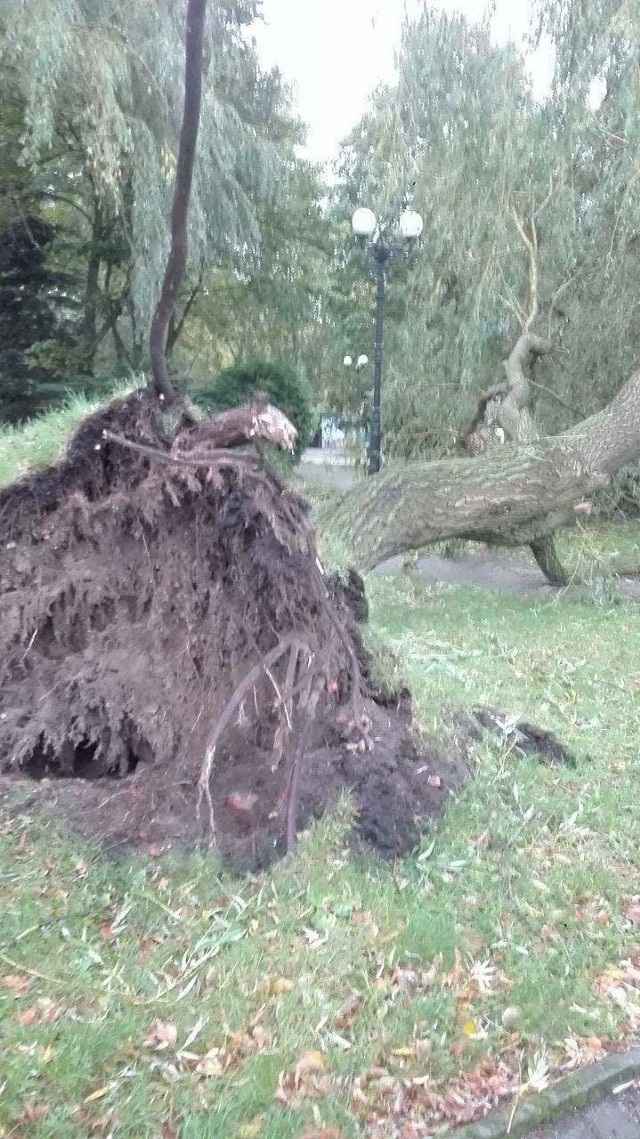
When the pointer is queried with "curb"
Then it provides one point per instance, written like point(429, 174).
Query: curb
point(577, 1090)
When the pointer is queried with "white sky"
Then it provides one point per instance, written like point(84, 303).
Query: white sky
point(335, 52)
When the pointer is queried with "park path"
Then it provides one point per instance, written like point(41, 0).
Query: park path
point(616, 1117)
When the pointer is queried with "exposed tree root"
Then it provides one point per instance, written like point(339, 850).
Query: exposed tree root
point(165, 623)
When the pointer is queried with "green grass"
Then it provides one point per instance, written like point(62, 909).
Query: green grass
point(43, 439)
point(274, 994)
point(530, 871)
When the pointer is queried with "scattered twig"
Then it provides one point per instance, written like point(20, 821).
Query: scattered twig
point(309, 705)
point(238, 695)
point(205, 459)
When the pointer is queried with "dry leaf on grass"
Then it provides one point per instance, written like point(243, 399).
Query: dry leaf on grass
point(213, 1063)
point(16, 982)
point(348, 1010)
point(254, 1039)
point(366, 919)
point(31, 1113)
point(307, 1079)
point(160, 1035)
point(631, 910)
point(273, 987)
point(26, 1017)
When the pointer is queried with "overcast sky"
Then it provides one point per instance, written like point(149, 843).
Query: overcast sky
point(335, 52)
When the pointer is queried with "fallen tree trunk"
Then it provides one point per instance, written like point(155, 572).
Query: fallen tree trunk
point(513, 497)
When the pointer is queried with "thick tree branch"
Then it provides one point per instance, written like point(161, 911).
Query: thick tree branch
point(513, 496)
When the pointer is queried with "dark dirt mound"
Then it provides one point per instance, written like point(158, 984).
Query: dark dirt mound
point(518, 735)
point(397, 787)
point(174, 664)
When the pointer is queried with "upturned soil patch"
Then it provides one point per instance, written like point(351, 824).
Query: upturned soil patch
point(174, 665)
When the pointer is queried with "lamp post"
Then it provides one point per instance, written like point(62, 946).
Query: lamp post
point(367, 229)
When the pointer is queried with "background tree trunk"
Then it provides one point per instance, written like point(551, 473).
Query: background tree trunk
point(177, 260)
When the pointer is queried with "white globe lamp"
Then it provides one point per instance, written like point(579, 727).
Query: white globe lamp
point(364, 222)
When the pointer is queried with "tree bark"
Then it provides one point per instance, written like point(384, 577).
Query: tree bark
point(255, 420)
point(212, 439)
point(515, 496)
point(504, 416)
point(177, 260)
point(92, 294)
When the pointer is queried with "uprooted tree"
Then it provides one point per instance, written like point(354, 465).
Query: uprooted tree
point(164, 617)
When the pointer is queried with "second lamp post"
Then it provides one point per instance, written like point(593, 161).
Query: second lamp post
point(366, 228)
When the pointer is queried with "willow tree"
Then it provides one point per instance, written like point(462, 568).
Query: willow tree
point(97, 95)
point(462, 128)
point(483, 157)
point(594, 111)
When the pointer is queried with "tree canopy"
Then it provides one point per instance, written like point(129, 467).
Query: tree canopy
point(89, 114)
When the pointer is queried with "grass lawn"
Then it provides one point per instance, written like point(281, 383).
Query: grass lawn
point(42, 439)
point(145, 997)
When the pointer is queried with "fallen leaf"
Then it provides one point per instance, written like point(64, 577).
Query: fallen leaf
point(311, 1062)
point(17, 983)
point(630, 975)
point(273, 986)
point(631, 911)
point(160, 1035)
point(32, 1112)
point(348, 1010)
point(604, 981)
point(96, 1095)
point(104, 1122)
point(26, 1017)
point(48, 1010)
point(212, 1063)
point(256, 1039)
point(366, 919)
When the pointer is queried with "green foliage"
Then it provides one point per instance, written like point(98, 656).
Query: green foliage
point(90, 102)
point(279, 381)
point(89, 115)
point(462, 129)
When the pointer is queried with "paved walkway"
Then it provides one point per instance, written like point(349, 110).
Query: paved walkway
point(333, 468)
point(617, 1117)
